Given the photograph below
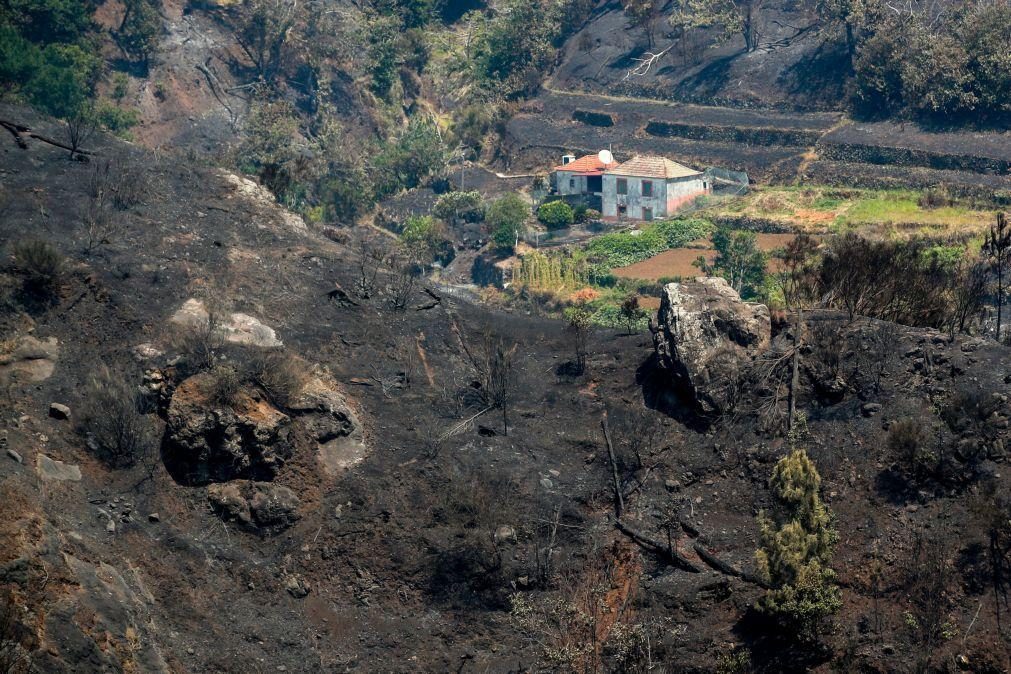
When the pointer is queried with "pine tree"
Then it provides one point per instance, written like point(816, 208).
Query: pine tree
point(794, 555)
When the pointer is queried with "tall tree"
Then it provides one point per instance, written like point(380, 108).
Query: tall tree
point(794, 554)
point(262, 32)
point(644, 14)
point(851, 15)
point(139, 30)
point(997, 248)
point(798, 280)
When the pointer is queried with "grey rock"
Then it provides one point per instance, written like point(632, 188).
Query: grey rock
point(260, 506)
point(51, 469)
point(14, 455)
point(705, 333)
point(870, 409)
point(59, 411)
point(297, 587)
point(154, 517)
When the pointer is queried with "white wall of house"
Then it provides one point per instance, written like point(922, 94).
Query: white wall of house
point(666, 197)
point(567, 182)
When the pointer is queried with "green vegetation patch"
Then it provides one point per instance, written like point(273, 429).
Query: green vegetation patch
point(621, 249)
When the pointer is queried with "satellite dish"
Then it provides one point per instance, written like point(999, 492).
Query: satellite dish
point(605, 156)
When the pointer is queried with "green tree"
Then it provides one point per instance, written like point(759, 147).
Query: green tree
point(50, 21)
point(556, 214)
point(416, 155)
point(516, 47)
point(852, 16)
point(411, 13)
point(423, 238)
point(794, 553)
point(262, 32)
point(579, 319)
point(984, 32)
point(270, 147)
point(506, 219)
point(19, 59)
point(456, 207)
point(383, 56)
point(139, 30)
point(632, 313)
point(64, 80)
point(738, 260)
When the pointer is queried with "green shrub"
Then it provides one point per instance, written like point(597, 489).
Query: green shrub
point(556, 215)
point(64, 79)
point(423, 238)
point(506, 218)
point(681, 231)
point(621, 249)
point(406, 162)
point(455, 207)
point(116, 119)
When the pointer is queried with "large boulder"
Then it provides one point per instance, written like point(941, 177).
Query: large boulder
point(207, 441)
point(705, 336)
point(324, 411)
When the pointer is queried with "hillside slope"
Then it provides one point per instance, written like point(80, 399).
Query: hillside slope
point(429, 532)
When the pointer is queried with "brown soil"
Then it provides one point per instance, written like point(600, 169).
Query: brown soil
point(673, 263)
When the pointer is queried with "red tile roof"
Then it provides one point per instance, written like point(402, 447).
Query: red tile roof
point(590, 162)
point(653, 167)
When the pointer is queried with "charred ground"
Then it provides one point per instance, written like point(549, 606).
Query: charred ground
point(452, 545)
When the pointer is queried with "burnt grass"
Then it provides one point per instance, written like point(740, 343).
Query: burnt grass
point(399, 553)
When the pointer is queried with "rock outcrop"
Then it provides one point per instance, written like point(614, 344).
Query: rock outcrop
point(250, 437)
point(236, 328)
point(212, 442)
point(262, 506)
point(705, 335)
point(29, 359)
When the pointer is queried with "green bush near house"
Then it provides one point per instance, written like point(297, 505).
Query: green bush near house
point(556, 215)
point(621, 249)
point(506, 218)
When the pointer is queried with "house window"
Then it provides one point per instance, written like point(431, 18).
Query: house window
point(647, 188)
point(622, 186)
point(647, 214)
point(572, 183)
point(705, 185)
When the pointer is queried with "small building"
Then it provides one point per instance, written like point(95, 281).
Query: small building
point(580, 176)
point(644, 188)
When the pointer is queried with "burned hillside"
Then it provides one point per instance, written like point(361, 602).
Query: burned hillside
point(239, 442)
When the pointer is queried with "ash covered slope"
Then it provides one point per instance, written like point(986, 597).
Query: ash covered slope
point(376, 515)
point(793, 68)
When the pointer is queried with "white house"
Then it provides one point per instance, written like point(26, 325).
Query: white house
point(580, 176)
point(644, 188)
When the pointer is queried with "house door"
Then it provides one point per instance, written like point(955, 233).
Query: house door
point(647, 214)
point(622, 212)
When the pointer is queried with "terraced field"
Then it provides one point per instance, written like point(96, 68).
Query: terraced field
point(771, 146)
